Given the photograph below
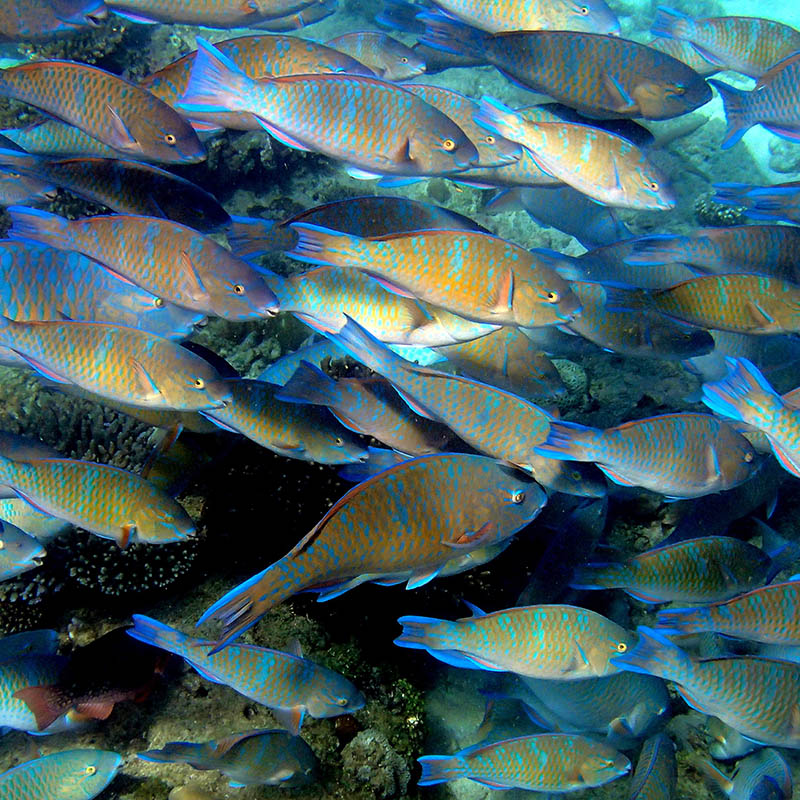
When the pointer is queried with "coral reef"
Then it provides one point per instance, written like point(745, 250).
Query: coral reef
point(370, 761)
point(710, 214)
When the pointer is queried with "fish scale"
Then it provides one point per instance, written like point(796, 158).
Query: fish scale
point(107, 107)
point(656, 772)
point(52, 137)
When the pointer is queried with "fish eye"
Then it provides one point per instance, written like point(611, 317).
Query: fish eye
point(449, 144)
point(170, 139)
point(238, 289)
point(404, 59)
point(678, 88)
point(552, 297)
point(91, 769)
point(341, 701)
point(490, 139)
point(748, 457)
point(518, 496)
point(338, 441)
point(158, 302)
point(621, 647)
point(653, 186)
point(199, 383)
point(575, 475)
point(584, 11)
point(2, 545)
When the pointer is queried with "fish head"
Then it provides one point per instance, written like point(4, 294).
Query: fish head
point(515, 498)
point(494, 150)
point(671, 339)
point(244, 296)
point(677, 90)
point(200, 383)
point(609, 640)
point(647, 188)
point(89, 772)
point(399, 62)
point(165, 137)
point(569, 477)
point(19, 552)
point(591, 16)
point(335, 445)
point(602, 765)
point(333, 695)
point(160, 519)
point(734, 458)
point(544, 298)
point(438, 146)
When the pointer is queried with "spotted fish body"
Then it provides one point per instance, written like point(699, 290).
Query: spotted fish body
point(656, 774)
point(545, 762)
point(24, 516)
point(480, 277)
point(757, 696)
point(170, 260)
point(547, 641)
point(429, 505)
point(761, 776)
point(30, 20)
point(21, 672)
point(678, 455)
point(295, 431)
point(284, 682)
point(107, 501)
point(67, 775)
point(606, 167)
point(751, 45)
point(701, 570)
point(369, 124)
point(52, 137)
point(768, 614)
point(389, 59)
point(108, 108)
point(685, 52)
point(265, 55)
point(745, 395)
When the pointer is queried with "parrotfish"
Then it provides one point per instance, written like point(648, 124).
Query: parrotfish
point(32, 20)
point(369, 406)
point(16, 188)
point(130, 187)
point(656, 773)
point(117, 362)
point(746, 396)
point(108, 501)
point(110, 109)
point(546, 641)
point(170, 260)
point(295, 431)
point(67, 775)
point(767, 249)
point(436, 506)
point(777, 203)
point(750, 45)
point(211, 13)
point(52, 137)
point(24, 516)
point(761, 776)
point(288, 684)
point(480, 277)
point(598, 75)
point(768, 614)
point(260, 758)
point(388, 58)
point(265, 55)
point(371, 125)
point(701, 570)
point(757, 696)
point(544, 762)
point(728, 744)
point(19, 552)
point(677, 455)
point(772, 103)
point(601, 165)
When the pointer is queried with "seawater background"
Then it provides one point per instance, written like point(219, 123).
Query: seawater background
point(253, 506)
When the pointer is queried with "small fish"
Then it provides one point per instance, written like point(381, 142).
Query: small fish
point(104, 672)
point(34, 20)
point(656, 774)
point(295, 431)
point(383, 132)
point(757, 696)
point(209, 13)
point(256, 758)
point(767, 249)
point(764, 615)
point(677, 455)
point(448, 504)
point(16, 188)
point(544, 762)
point(170, 260)
point(761, 776)
point(596, 74)
point(67, 775)
point(110, 109)
point(288, 684)
point(601, 165)
point(702, 570)
point(541, 641)
point(24, 516)
point(107, 501)
point(389, 59)
point(772, 103)
point(52, 137)
point(746, 396)
point(19, 552)
point(370, 407)
point(777, 203)
point(483, 278)
point(40, 642)
point(728, 743)
point(750, 45)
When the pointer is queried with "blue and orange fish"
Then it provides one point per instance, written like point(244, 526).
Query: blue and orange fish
point(32, 20)
point(388, 58)
point(765, 775)
point(656, 773)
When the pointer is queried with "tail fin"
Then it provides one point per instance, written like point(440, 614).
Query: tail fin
point(20, 160)
point(499, 119)
point(742, 394)
point(737, 112)
point(309, 385)
point(185, 752)
point(654, 654)
point(401, 16)
point(600, 576)
point(658, 249)
point(317, 245)
point(30, 224)
point(151, 631)
point(418, 634)
point(252, 237)
point(215, 84)
point(361, 345)
point(569, 441)
point(451, 36)
point(679, 621)
point(440, 769)
point(672, 24)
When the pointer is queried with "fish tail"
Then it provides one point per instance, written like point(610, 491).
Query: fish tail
point(440, 769)
point(30, 224)
point(401, 16)
point(672, 24)
point(654, 654)
point(252, 237)
point(187, 752)
point(425, 633)
point(361, 345)
point(46, 703)
point(569, 441)
point(451, 36)
point(20, 160)
point(499, 119)
point(151, 631)
point(677, 621)
point(737, 112)
point(215, 84)
point(600, 576)
point(657, 249)
point(310, 385)
point(742, 394)
point(317, 245)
